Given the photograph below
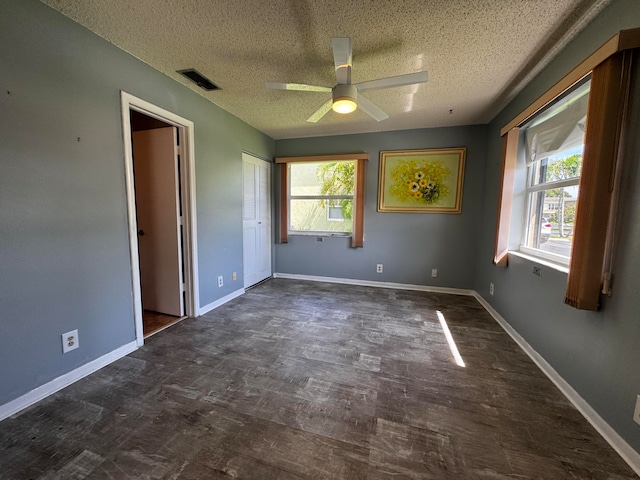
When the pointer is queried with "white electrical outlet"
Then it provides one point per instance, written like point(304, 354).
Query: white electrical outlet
point(70, 341)
point(220, 281)
point(379, 268)
point(434, 272)
point(636, 412)
point(234, 276)
point(491, 289)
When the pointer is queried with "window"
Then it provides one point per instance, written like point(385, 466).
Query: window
point(593, 230)
point(322, 195)
point(554, 144)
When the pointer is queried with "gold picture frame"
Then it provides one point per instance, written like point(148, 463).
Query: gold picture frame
point(421, 181)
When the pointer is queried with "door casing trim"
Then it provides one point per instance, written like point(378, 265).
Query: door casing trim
point(187, 173)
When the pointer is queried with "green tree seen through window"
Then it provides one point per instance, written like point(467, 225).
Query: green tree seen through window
point(562, 170)
point(337, 178)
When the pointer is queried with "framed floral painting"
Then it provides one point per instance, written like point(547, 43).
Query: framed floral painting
point(421, 181)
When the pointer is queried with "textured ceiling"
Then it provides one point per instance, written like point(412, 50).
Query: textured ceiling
point(478, 53)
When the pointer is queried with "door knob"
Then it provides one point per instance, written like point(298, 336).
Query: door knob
point(141, 233)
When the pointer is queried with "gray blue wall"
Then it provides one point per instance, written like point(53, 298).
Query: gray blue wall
point(409, 245)
point(64, 248)
point(598, 353)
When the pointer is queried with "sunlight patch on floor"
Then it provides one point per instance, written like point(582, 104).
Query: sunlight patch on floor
point(450, 341)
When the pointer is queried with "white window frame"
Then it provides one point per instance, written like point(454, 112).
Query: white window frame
point(316, 233)
point(530, 192)
point(533, 188)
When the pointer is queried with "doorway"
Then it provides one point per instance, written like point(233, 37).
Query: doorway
point(156, 175)
point(159, 166)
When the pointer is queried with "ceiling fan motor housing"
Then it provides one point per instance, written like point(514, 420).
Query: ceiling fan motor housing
point(345, 98)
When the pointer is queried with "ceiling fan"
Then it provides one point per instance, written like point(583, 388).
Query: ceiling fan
point(345, 96)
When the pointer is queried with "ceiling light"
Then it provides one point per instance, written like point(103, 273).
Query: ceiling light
point(344, 105)
point(344, 99)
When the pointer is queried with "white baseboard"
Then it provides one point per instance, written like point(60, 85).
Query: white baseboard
point(43, 391)
point(372, 283)
point(627, 453)
point(37, 394)
point(220, 301)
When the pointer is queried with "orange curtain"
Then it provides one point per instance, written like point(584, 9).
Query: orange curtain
point(608, 97)
point(505, 198)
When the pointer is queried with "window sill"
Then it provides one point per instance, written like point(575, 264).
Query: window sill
point(542, 261)
point(320, 234)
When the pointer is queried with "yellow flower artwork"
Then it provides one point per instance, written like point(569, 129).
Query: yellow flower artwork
point(421, 181)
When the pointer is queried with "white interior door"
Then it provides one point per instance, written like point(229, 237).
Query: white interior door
point(155, 166)
point(256, 217)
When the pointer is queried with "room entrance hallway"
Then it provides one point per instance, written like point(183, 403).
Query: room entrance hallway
point(297, 380)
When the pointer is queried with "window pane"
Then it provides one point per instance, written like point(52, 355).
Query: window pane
point(555, 133)
point(554, 148)
point(561, 166)
point(322, 178)
point(321, 215)
point(551, 220)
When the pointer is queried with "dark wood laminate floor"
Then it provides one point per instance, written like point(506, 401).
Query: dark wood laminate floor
point(300, 380)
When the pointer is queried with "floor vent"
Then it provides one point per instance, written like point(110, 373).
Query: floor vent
point(199, 79)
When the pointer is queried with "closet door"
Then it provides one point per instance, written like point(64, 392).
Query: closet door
point(256, 217)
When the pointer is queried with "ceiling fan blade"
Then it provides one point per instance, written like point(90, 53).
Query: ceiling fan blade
point(321, 112)
point(390, 82)
point(342, 59)
point(297, 86)
point(369, 108)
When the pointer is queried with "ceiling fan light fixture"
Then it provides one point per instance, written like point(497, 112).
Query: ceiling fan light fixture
point(344, 99)
point(344, 105)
